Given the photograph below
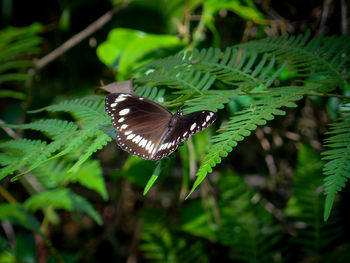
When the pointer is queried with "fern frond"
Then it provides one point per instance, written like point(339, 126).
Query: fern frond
point(66, 135)
point(6, 159)
point(160, 244)
point(234, 66)
point(186, 81)
point(23, 151)
point(306, 205)
point(82, 109)
point(337, 168)
point(62, 199)
point(15, 43)
point(100, 140)
point(70, 142)
point(15, 65)
point(13, 77)
point(17, 215)
point(321, 56)
point(169, 62)
point(55, 173)
point(243, 222)
point(261, 110)
point(51, 173)
point(12, 94)
point(61, 145)
point(152, 93)
point(22, 146)
point(54, 128)
point(89, 174)
point(211, 100)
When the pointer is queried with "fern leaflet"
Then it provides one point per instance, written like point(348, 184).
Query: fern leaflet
point(62, 199)
point(82, 109)
point(337, 167)
point(323, 56)
point(262, 109)
point(54, 128)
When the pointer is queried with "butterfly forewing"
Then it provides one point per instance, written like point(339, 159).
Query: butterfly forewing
point(183, 128)
point(140, 123)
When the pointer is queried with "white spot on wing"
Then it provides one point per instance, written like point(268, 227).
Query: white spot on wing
point(193, 126)
point(124, 112)
point(120, 98)
point(154, 151)
point(148, 145)
point(151, 148)
point(130, 136)
point(121, 119)
point(137, 139)
point(128, 132)
point(113, 105)
point(143, 143)
point(208, 118)
point(124, 126)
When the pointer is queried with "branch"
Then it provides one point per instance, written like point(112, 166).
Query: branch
point(73, 41)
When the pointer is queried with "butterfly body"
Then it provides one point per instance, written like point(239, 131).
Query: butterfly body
point(149, 130)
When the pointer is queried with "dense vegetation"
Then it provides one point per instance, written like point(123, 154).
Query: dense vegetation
point(267, 182)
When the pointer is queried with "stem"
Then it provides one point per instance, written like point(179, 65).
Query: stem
point(199, 30)
point(306, 94)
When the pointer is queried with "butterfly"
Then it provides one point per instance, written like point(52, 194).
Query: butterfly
point(149, 130)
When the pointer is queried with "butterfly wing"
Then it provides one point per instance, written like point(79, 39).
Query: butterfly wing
point(140, 123)
point(183, 128)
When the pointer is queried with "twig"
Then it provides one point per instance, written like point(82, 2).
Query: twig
point(187, 16)
point(198, 31)
point(9, 131)
point(326, 5)
point(132, 257)
point(305, 94)
point(39, 64)
point(344, 22)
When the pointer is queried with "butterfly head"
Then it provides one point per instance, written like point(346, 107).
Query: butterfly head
point(179, 113)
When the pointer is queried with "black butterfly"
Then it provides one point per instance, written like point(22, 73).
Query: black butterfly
point(149, 130)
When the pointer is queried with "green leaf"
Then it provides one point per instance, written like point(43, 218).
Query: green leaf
point(126, 48)
point(153, 178)
point(245, 9)
point(12, 94)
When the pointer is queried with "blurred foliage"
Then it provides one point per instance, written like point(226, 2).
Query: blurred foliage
point(15, 45)
point(280, 90)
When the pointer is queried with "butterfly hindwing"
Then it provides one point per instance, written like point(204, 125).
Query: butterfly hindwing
point(183, 128)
